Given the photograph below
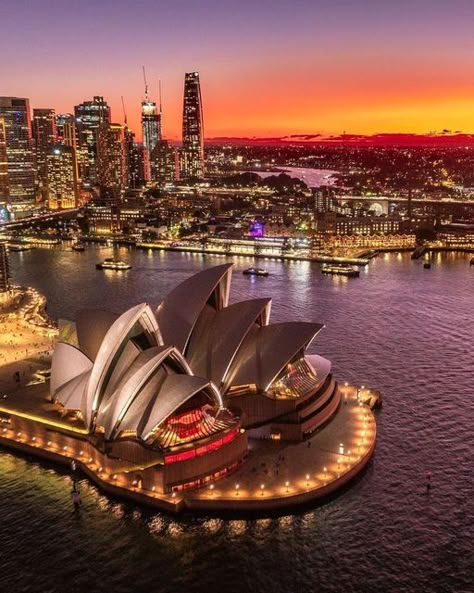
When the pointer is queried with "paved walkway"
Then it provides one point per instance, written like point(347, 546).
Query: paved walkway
point(276, 469)
point(24, 335)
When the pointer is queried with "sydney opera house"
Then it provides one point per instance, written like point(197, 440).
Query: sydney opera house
point(170, 400)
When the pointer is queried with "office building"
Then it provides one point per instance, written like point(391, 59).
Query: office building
point(62, 178)
point(44, 136)
point(89, 116)
point(4, 186)
point(165, 159)
point(112, 169)
point(15, 112)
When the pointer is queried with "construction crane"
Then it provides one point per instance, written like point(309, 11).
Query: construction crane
point(146, 84)
point(124, 113)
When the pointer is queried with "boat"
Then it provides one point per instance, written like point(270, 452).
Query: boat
point(78, 246)
point(113, 264)
point(471, 263)
point(255, 272)
point(19, 247)
point(427, 265)
point(418, 252)
point(340, 269)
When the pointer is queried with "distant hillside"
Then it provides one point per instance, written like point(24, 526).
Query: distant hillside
point(442, 139)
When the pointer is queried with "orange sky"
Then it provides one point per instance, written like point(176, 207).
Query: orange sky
point(268, 68)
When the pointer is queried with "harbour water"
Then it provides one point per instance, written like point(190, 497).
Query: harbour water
point(312, 177)
point(402, 329)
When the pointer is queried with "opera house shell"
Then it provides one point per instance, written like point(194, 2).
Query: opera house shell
point(177, 392)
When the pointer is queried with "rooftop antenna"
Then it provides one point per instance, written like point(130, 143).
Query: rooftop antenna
point(159, 86)
point(146, 84)
point(124, 113)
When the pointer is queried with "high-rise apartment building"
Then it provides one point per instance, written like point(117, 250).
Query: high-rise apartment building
point(62, 179)
point(138, 166)
point(192, 164)
point(89, 116)
point(137, 161)
point(112, 170)
point(4, 186)
point(166, 161)
point(44, 136)
point(15, 112)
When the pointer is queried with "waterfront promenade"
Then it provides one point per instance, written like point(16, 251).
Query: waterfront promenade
point(25, 333)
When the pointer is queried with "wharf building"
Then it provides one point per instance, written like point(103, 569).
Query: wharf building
point(15, 112)
point(104, 220)
point(192, 154)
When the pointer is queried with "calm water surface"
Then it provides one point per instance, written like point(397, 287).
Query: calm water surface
point(403, 329)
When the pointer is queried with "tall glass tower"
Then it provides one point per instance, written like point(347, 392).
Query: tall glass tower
point(44, 135)
point(89, 116)
point(19, 147)
point(4, 185)
point(193, 129)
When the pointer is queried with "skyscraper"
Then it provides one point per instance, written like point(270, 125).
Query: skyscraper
point(4, 188)
point(137, 160)
point(193, 129)
point(21, 166)
point(151, 130)
point(89, 116)
point(44, 135)
point(62, 178)
point(68, 135)
point(112, 170)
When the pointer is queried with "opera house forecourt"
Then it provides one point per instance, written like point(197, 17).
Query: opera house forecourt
point(200, 404)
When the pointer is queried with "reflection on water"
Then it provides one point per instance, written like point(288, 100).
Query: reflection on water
point(401, 328)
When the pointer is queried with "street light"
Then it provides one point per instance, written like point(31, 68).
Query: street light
point(262, 486)
point(237, 486)
point(287, 484)
point(307, 480)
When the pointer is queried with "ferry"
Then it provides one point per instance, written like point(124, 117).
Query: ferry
point(255, 272)
point(78, 246)
point(113, 264)
point(427, 265)
point(340, 269)
point(471, 263)
point(19, 247)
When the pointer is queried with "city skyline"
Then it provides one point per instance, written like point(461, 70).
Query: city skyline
point(299, 68)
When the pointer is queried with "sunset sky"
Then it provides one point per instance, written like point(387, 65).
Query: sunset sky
point(268, 67)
